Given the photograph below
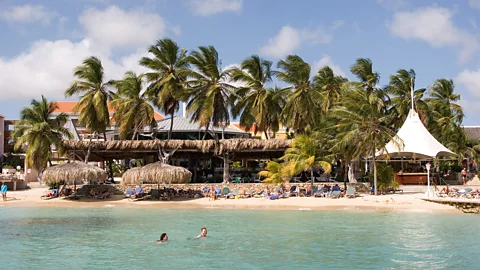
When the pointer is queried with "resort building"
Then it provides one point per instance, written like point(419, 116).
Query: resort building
point(472, 132)
point(6, 141)
point(281, 134)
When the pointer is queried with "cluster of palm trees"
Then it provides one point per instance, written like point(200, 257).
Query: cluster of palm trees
point(343, 120)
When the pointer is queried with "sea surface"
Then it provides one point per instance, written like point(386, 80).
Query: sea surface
point(124, 238)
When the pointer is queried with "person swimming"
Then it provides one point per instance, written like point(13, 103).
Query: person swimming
point(203, 233)
point(163, 238)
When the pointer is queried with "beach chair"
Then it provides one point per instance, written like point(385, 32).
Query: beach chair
point(139, 195)
point(225, 192)
point(206, 191)
point(234, 194)
point(293, 191)
point(350, 193)
point(129, 192)
point(259, 194)
point(218, 191)
point(335, 194)
point(50, 195)
point(249, 193)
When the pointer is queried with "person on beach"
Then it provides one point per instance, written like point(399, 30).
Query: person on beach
point(3, 189)
point(163, 238)
point(464, 176)
point(203, 233)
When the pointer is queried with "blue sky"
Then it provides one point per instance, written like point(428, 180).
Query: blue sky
point(42, 41)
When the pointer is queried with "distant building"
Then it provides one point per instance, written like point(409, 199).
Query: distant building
point(78, 131)
point(281, 134)
point(472, 132)
point(6, 141)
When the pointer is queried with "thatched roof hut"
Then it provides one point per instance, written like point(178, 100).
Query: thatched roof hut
point(243, 148)
point(204, 146)
point(73, 173)
point(155, 173)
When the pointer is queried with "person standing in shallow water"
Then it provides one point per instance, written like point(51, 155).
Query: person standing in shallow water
point(163, 238)
point(3, 189)
point(203, 233)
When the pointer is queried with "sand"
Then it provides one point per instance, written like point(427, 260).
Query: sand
point(411, 202)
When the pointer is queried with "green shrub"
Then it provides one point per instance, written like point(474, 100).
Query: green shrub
point(51, 185)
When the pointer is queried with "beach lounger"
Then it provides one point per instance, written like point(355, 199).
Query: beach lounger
point(50, 195)
point(129, 192)
point(249, 193)
point(225, 192)
point(293, 191)
point(350, 193)
point(335, 194)
point(273, 197)
point(259, 194)
point(234, 194)
point(139, 195)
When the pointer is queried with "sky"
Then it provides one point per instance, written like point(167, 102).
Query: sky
point(41, 42)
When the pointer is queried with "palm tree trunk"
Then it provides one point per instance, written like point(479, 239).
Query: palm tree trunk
point(134, 134)
point(226, 169)
point(345, 177)
point(109, 162)
point(206, 131)
point(266, 134)
point(50, 162)
point(171, 126)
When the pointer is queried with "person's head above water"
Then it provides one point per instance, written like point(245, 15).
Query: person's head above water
point(203, 232)
point(163, 237)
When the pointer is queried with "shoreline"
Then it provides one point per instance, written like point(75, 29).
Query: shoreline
point(393, 202)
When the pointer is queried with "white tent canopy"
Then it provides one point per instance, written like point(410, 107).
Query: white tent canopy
point(414, 140)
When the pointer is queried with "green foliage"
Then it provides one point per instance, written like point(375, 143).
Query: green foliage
point(118, 169)
point(51, 185)
point(274, 174)
point(236, 165)
point(39, 130)
point(385, 177)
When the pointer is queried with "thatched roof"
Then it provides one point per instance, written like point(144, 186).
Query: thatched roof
point(228, 145)
point(157, 173)
point(74, 172)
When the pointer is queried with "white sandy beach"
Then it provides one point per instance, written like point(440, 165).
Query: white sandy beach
point(398, 202)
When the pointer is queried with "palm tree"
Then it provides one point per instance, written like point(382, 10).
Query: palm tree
point(209, 94)
point(168, 67)
point(40, 129)
point(208, 91)
point(330, 86)
point(304, 155)
point(133, 112)
point(400, 89)
point(257, 105)
point(442, 98)
point(363, 123)
point(363, 70)
point(93, 107)
point(274, 173)
point(303, 99)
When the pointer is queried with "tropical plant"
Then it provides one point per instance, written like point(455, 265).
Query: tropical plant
point(168, 69)
point(304, 154)
point(133, 112)
point(257, 105)
point(330, 86)
point(385, 177)
point(364, 122)
point(40, 130)
point(399, 89)
point(303, 99)
point(442, 100)
point(93, 104)
point(274, 173)
point(363, 70)
point(209, 93)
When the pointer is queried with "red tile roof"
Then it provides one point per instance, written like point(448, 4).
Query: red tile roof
point(67, 107)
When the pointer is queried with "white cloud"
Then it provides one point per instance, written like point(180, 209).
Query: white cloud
point(435, 26)
point(289, 39)
point(470, 80)
point(27, 14)
point(474, 4)
point(326, 60)
point(114, 28)
point(210, 7)
point(47, 68)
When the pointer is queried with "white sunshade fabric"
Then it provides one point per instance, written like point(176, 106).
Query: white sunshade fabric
point(415, 141)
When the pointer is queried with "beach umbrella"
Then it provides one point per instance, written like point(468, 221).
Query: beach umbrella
point(73, 173)
point(156, 173)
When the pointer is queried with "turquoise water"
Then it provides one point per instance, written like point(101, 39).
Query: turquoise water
point(113, 238)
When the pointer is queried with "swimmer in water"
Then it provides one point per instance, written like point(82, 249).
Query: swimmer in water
point(203, 233)
point(163, 238)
